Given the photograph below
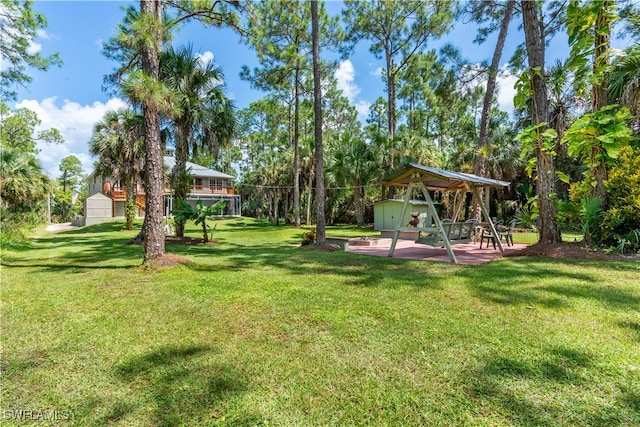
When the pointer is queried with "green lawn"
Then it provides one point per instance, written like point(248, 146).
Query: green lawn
point(258, 331)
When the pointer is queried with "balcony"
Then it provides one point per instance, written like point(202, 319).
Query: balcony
point(212, 189)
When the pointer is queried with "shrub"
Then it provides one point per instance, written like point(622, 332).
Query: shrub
point(622, 217)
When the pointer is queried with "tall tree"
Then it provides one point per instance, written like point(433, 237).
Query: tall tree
point(201, 114)
point(279, 32)
point(71, 176)
point(17, 130)
point(137, 47)
point(19, 26)
point(589, 27)
point(149, 39)
point(397, 31)
point(545, 170)
point(321, 237)
point(483, 136)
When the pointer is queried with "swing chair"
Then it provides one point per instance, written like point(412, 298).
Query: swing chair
point(431, 229)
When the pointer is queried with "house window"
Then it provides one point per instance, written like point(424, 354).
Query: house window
point(197, 182)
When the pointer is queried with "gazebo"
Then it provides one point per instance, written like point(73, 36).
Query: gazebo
point(417, 177)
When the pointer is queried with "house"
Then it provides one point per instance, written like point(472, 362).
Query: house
point(208, 185)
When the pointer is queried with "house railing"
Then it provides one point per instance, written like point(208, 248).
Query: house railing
point(211, 189)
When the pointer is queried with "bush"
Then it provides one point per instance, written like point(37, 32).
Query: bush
point(622, 218)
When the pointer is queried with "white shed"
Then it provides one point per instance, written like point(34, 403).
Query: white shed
point(98, 208)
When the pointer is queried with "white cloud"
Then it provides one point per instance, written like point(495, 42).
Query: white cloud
point(363, 109)
point(505, 91)
point(345, 75)
point(377, 72)
point(205, 58)
point(33, 48)
point(75, 123)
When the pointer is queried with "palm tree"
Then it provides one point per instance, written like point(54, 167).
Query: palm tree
point(202, 116)
point(22, 182)
point(624, 82)
point(118, 142)
point(354, 165)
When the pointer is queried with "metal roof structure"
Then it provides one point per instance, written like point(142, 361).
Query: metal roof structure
point(196, 170)
point(417, 177)
point(440, 179)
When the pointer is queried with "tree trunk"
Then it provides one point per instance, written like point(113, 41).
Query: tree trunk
point(205, 235)
point(360, 205)
point(180, 188)
point(310, 195)
point(296, 152)
point(479, 168)
point(602, 44)
point(321, 237)
point(153, 232)
point(545, 170)
point(131, 198)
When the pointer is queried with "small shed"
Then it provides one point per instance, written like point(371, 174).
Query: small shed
point(98, 208)
point(386, 213)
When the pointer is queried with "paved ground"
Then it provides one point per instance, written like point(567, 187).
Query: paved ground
point(60, 227)
point(467, 253)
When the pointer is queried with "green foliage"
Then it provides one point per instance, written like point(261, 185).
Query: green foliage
point(19, 26)
point(569, 214)
point(591, 218)
point(536, 138)
point(130, 212)
point(309, 237)
point(17, 130)
point(198, 213)
point(523, 86)
point(582, 20)
point(597, 138)
point(526, 216)
point(623, 189)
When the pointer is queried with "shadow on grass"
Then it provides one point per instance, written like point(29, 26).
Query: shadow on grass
point(515, 283)
point(356, 270)
point(180, 385)
point(631, 326)
point(522, 390)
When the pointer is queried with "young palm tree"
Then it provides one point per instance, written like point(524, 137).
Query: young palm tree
point(118, 142)
point(203, 115)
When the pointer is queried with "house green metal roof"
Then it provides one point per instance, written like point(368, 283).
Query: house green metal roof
point(440, 179)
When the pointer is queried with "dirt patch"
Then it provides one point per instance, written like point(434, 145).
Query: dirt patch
point(169, 260)
point(573, 250)
point(174, 240)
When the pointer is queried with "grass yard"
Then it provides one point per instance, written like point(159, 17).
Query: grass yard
point(258, 331)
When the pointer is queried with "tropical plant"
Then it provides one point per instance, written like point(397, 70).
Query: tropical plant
point(354, 166)
point(200, 108)
point(198, 213)
point(591, 216)
point(22, 182)
point(596, 139)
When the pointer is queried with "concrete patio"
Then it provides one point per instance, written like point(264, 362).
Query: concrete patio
point(466, 253)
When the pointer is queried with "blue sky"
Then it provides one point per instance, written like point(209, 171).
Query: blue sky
point(70, 98)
